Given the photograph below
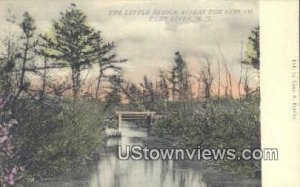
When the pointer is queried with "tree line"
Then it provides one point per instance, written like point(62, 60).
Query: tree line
point(71, 43)
point(49, 126)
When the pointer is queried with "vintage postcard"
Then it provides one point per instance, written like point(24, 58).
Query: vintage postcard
point(126, 93)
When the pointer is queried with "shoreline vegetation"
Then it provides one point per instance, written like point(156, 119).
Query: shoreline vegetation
point(224, 123)
point(45, 132)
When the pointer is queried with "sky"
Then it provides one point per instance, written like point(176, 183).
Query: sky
point(149, 45)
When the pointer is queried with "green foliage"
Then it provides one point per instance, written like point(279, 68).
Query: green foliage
point(28, 25)
point(17, 60)
point(54, 136)
point(106, 60)
point(226, 123)
point(71, 44)
point(180, 79)
point(113, 97)
point(253, 49)
point(70, 40)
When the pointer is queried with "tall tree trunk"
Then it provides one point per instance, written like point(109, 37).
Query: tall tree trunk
point(219, 80)
point(44, 80)
point(98, 83)
point(173, 86)
point(199, 89)
point(241, 72)
point(22, 78)
point(76, 82)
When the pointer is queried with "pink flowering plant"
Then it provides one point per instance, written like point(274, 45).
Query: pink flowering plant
point(8, 170)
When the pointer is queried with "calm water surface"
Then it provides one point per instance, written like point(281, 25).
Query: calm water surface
point(109, 171)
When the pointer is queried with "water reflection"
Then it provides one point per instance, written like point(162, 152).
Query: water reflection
point(109, 171)
point(112, 172)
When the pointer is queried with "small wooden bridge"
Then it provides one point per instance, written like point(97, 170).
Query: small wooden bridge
point(131, 115)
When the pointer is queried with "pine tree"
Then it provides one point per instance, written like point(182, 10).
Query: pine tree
point(180, 79)
point(253, 49)
point(105, 59)
point(70, 44)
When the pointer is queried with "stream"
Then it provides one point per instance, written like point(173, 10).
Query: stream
point(109, 171)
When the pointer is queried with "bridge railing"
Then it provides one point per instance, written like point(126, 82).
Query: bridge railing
point(133, 115)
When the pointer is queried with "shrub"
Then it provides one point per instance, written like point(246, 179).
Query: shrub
point(9, 168)
point(226, 123)
point(54, 135)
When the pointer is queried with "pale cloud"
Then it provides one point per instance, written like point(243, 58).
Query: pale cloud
point(150, 45)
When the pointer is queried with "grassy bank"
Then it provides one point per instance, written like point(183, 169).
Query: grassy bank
point(225, 123)
point(54, 136)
